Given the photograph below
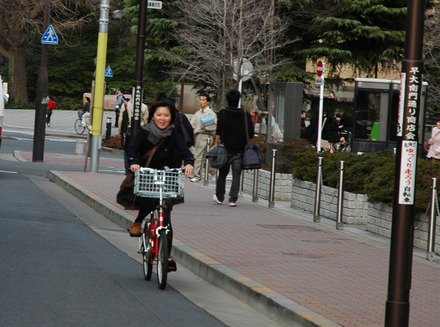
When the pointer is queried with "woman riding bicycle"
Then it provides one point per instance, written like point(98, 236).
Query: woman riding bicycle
point(172, 149)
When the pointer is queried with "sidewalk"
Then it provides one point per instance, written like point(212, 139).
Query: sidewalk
point(296, 272)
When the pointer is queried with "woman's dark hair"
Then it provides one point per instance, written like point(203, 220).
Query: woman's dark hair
point(162, 104)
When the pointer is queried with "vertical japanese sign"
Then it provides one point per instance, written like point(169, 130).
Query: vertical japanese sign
point(408, 161)
point(401, 108)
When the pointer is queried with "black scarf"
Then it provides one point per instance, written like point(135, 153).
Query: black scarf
point(156, 134)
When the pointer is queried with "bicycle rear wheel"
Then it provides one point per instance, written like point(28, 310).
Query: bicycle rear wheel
point(79, 129)
point(162, 259)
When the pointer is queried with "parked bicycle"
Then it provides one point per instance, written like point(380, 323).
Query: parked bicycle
point(153, 243)
point(79, 127)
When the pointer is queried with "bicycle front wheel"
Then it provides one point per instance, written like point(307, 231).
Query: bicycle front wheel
point(162, 260)
point(147, 259)
point(79, 129)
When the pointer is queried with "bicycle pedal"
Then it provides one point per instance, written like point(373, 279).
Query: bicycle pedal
point(172, 266)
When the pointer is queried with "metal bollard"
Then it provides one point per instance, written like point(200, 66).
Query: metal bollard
point(272, 180)
point(206, 175)
point(255, 186)
point(430, 253)
point(339, 223)
point(316, 216)
point(108, 131)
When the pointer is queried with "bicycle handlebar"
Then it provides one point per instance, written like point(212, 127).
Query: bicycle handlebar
point(152, 170)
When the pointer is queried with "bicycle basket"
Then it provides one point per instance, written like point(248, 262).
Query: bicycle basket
point(147, 183)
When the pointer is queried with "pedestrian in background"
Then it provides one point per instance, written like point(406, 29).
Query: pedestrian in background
point(204, 123)
point(86, 112)
point(303, 133)
point(118, 105)
point(124, 126)
point(50, 107)
point(232, 132)
point(434, 141)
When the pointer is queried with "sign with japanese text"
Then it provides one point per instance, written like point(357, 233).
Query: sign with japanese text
point(410, 95)
point(408, 172)
point(154, 4)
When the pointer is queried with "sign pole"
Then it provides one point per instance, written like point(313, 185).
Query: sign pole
point(402, 232)
point(320, 72)
point(42, 93)
point(138, 84)
point(98, 99)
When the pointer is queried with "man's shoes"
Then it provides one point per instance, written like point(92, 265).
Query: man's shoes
point(232, 204)
point(216, 200)
point(172, 266)
point(195, 180)
point(83, 125)
point(135, 230)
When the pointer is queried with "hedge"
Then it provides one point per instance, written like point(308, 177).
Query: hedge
point(371, 173)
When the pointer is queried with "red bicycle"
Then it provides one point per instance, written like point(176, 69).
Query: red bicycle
point(153, 243)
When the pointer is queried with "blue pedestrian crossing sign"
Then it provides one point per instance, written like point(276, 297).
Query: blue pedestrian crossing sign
point(108, 72)
point(49, 37)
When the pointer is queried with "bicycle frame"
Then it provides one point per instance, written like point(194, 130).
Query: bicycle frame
point(154, 245)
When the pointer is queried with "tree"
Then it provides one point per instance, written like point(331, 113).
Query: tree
point(432, 53)
point(367, 35)
point(20, 20)
point(217, 36)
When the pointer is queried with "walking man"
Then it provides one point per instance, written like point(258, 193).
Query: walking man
point(231, 131)
point(118, 106)
point(204, 123)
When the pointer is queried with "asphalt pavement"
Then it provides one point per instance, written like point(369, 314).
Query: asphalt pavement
point(277, 260)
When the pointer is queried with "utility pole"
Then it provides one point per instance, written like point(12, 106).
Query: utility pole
point(402, 233)
point(98, 99)
point(42, 93)
point(138, 85)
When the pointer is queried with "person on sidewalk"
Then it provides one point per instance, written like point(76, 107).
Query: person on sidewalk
point(159, 131)
point(124, 126)
point(231, 131)
point(86, 112)
point(434, 142)
point(118, 105)
point(203, 132)
point(50, 107)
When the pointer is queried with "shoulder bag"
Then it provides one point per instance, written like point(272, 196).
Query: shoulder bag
point(126, 196)
point(217, 155)
point(253, 155)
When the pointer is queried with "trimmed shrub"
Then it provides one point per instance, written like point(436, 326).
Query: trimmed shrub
point(372, 174)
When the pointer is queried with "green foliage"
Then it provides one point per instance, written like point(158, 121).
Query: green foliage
point(366, 35)
point(372, 173)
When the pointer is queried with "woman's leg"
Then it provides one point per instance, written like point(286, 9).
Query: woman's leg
point(167, 221)
point(147, 205)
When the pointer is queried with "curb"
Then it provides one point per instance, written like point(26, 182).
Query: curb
point(277, 307)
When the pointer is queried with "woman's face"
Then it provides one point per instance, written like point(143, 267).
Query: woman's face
point(437, 124)
point(162, 117)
